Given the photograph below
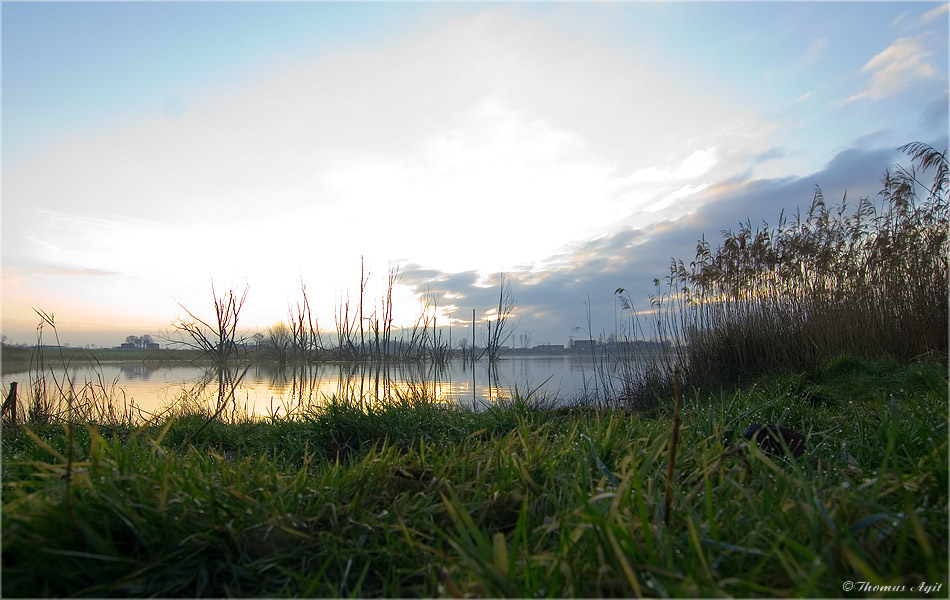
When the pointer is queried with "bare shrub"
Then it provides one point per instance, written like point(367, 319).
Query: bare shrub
point(218, 339)
point(279, 342)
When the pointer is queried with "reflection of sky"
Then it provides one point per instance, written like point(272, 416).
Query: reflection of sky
point(264, 390)
point(151, 147)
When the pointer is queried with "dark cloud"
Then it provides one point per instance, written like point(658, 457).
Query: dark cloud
point(771, 154)
point(935, 116)
point(555, 300)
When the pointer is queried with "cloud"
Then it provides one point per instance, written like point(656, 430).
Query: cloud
point(771, 154)
point(906, 21)
point(935, 115)
point(493, 131)
point(815, 51)
point(804, 97)
point(84, 272)
point(695, 165)
point(554, 300)
point(935, 12)
point(896, 68)
point(810, 56)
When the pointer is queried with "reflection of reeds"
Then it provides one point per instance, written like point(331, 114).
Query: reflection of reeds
point(418, 498)
point(226, 406)
point(867, 281)
point(54, 395)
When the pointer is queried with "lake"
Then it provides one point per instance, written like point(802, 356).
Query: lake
point(264, 389)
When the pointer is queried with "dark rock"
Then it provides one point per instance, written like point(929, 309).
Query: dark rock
point(769, 437)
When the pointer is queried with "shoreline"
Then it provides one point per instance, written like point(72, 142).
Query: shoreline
point(515, 501)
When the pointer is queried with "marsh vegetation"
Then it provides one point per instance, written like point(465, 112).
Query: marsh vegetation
point(831, 325)
point(363, 330)
point(868, 279)
point(415, 498)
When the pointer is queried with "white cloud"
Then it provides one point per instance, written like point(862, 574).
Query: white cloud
point(499, 181)
point(934, 12)
point(908, 22)
point(697, 163)
point(805, 96)
point(895, 68)
point(681, 193)
point(486, 142)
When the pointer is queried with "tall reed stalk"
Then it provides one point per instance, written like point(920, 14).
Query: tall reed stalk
point(54, 395)
point(868, 280)
point(365, 333)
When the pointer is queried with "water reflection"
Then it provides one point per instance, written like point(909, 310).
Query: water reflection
point(137, 371)
point(269, 390)
point(261, 390)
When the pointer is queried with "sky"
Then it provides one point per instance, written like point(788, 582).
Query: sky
point(150, 150)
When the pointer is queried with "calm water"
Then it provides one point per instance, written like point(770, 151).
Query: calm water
point(264, 390)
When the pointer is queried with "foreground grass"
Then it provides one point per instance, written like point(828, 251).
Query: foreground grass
point(416, 499)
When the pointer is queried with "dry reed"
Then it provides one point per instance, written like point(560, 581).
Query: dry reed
point(867, 281)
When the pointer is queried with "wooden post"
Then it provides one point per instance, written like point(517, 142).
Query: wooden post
point(10, 403)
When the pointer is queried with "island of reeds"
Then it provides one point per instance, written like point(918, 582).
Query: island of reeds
point(828, 329)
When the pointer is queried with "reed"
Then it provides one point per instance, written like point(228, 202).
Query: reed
point(868, 280)
point(52, 393)
point(306, 341)
point(365, 332)
point(499, 336)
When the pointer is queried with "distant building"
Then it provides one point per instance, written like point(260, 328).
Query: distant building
point(548, 348)
point(131, 346)
point(580, 345)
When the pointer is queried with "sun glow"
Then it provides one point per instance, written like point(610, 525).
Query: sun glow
point(459, 142)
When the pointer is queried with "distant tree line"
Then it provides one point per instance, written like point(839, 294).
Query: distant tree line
point(139, 342)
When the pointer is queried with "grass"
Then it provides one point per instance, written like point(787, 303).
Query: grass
point(419, 499)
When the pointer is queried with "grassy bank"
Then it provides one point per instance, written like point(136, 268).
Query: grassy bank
point(417, 499)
